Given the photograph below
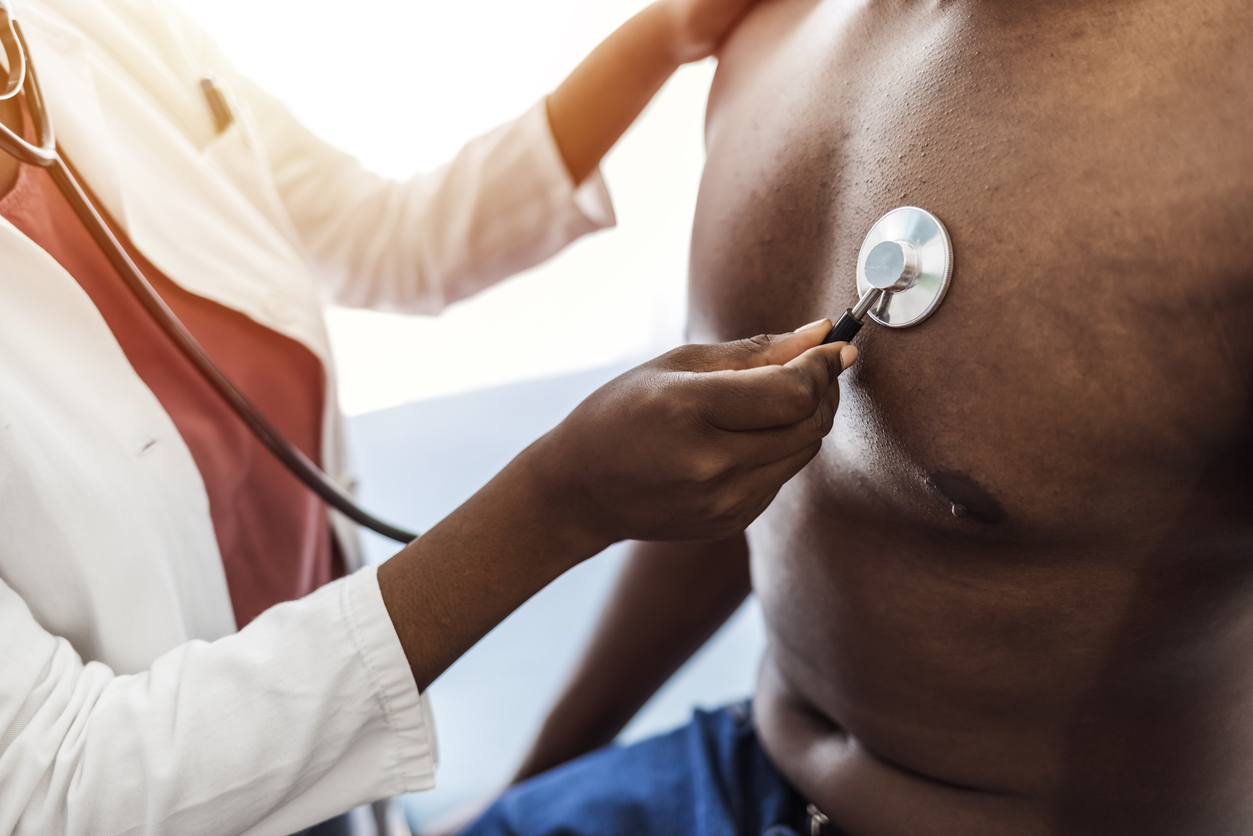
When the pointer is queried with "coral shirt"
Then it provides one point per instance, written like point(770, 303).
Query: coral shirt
point(272, 532)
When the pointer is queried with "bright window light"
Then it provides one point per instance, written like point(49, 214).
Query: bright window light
point(402, 86)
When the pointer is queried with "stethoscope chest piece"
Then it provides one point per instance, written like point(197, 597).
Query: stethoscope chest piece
point(908, 255)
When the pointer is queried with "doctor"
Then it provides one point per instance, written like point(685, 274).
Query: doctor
point(188, 642)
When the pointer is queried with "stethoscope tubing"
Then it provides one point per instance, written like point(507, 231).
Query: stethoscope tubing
point(48, 155)
point(291, 456)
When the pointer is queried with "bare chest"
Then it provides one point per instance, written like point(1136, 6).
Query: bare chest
point(1093, 356)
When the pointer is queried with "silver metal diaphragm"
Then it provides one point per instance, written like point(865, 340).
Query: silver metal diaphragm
point(908, 255)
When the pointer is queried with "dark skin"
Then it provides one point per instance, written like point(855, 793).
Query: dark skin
point(1014, 593)
point(692, 446)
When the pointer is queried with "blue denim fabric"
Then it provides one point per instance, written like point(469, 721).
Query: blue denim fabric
point(709, 778)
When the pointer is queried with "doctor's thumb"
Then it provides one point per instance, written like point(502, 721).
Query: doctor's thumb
point(754, 352)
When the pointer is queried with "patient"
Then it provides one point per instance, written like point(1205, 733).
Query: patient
point(1014, 593)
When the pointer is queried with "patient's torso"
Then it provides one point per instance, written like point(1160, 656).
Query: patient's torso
point(1014, 593)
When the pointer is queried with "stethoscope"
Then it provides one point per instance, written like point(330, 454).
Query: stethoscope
point(44, 153)
point(903, 271)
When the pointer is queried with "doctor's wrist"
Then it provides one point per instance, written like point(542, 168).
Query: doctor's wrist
point(665, 29)
point(556, 487)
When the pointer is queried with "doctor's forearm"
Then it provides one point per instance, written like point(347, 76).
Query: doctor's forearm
point(451, 586)
point(595, 105)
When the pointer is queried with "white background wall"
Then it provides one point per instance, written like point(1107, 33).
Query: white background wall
point(402, 85)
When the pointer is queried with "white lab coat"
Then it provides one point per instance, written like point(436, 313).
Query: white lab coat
point(128, 701)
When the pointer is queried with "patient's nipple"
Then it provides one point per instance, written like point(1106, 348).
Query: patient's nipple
point(966, 498)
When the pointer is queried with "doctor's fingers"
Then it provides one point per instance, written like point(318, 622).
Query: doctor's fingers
point(772, 477)
point(753, 490)
point(751, 353)
point(773, 396)
point(756, 449)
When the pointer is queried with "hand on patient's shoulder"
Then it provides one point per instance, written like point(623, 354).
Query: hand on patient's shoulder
point(695, 444)
point(700, 26)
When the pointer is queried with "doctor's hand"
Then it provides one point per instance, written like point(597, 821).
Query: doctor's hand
point(698, 27)
point(692, 446)
point(695, 444)
point(601, 98)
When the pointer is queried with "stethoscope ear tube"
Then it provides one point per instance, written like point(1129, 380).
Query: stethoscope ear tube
point(287, 453)
point(22, 76)
point(15, 56)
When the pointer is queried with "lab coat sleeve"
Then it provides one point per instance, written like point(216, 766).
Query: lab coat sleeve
point(307, 712)
point(506, 202)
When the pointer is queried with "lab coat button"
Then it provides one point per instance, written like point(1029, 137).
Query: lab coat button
point(279, 308)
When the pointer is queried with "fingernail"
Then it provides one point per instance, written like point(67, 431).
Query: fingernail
point(847, 355)
point(823, 323)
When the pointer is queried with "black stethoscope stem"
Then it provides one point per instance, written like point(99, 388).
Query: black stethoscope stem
point(847, 326)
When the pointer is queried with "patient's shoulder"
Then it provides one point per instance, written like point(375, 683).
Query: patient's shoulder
point(1088, 135)
point(753, 44)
